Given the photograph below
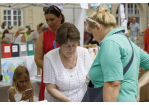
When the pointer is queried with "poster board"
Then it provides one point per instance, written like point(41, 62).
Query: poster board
point(8, 66)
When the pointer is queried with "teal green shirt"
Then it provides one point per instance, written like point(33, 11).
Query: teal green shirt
point(114, 54)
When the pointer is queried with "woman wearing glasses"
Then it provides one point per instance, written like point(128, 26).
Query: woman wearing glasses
point(45, 41)
point(114, 54)
point(66, 68)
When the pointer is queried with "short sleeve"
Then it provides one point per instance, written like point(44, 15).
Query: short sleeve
point(48, 71)
point(110, 59)
point(144, 60)
point(88, 62)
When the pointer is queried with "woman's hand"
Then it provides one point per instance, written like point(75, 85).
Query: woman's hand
point(26, 96)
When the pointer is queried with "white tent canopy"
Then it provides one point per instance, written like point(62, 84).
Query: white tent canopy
point(33, 5)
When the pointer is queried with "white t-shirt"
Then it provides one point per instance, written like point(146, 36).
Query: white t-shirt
point(72, 84)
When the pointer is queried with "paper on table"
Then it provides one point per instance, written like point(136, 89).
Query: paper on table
point(23, 47)
point(14, 48)
point(84, 5)
point(7, 49)
point(30, 47)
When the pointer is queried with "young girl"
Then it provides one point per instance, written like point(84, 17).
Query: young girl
point(21, 82)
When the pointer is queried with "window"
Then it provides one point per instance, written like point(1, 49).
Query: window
point(13, 17)
point(130, 10)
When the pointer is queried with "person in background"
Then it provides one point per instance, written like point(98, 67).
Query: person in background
point(45, 27)
point(66, 68)
point(44, 44)
point(86, 35)
point(114, 54)
point(45, 8)
point(129, 23)
point(5, 31)
point(19, 36)
point(20, 83)
point(27, 34)
point(3, 36)
point(6, 41)
point(134, 31)
point(34, 35)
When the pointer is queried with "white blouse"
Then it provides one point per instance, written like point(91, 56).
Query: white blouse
point(70, 83)
point(17, 96)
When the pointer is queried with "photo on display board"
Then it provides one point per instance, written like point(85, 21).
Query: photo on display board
point(93, 52)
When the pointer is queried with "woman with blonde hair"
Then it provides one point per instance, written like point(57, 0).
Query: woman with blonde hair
point(116, 66)
point(21, 82)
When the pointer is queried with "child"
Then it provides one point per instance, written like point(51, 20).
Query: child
point(21, 82)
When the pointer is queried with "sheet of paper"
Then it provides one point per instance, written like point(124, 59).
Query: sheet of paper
point(31, 66)
point(30, 47)
point(23, 47)
point(84, 5)
point(9, 36)
point(14, 48)
point(7, 49)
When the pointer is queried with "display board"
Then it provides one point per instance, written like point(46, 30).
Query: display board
point(8, 66)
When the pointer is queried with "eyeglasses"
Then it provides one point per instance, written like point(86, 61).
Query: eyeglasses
point(53, 7)
point(91, 20)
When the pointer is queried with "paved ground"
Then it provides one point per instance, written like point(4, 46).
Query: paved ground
point(141, 45)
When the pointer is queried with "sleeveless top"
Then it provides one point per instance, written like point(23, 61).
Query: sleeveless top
point(48, 38)
point(17, 96)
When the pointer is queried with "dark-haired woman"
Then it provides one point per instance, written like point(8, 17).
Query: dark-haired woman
point(44, 44)
point(66, 67)
point(5, 31)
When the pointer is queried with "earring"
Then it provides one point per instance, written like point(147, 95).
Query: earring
point(16, 84)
